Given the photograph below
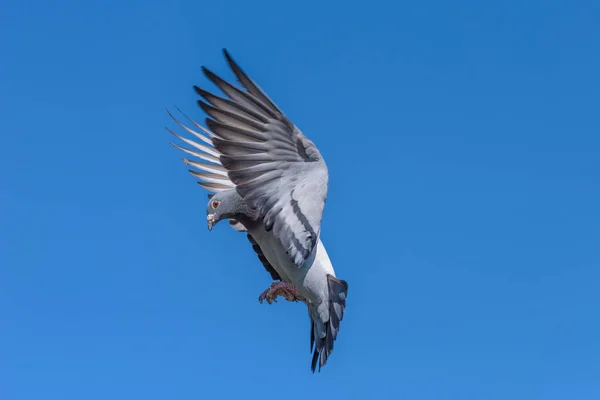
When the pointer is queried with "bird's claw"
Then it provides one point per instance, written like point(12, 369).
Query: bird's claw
point(282, 289)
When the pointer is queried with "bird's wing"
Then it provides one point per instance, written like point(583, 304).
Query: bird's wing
point(211, 172)
point(274, 167)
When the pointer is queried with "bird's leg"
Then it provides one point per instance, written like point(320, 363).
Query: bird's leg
point(282, 289)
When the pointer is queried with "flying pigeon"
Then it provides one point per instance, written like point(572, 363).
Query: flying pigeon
point(270, 181)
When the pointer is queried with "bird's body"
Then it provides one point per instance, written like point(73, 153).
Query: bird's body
point(270, 181)
point(313, 282)
point(310, 280)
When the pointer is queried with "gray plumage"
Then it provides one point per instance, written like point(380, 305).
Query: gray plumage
point(281, 179)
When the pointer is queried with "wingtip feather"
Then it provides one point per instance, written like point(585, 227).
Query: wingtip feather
point(230, 60)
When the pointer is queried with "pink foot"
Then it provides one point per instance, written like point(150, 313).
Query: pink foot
point(282, 289)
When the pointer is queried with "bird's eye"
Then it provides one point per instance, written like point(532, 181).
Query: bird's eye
point(215, 204)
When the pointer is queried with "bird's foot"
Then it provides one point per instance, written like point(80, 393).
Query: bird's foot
point(282, 289)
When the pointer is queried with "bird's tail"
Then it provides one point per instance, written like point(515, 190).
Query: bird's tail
point(325, 321)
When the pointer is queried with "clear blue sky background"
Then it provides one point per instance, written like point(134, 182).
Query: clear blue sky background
point(463, 143)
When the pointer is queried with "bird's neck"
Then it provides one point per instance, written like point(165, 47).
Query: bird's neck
point(238, 208)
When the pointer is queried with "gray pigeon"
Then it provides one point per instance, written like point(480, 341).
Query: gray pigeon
point(280, 185)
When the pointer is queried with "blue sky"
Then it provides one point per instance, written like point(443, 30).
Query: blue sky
point(463, 146)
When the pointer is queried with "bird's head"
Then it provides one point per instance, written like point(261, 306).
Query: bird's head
point(224, 205)
point(216, 208)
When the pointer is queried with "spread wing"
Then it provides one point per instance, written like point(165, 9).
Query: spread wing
point(274, 167)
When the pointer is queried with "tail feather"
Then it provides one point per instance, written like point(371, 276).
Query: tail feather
point(323, 333)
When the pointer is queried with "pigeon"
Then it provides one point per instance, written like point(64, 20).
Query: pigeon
point(270, 181)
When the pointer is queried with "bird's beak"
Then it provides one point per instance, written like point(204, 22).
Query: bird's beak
point(211, 221)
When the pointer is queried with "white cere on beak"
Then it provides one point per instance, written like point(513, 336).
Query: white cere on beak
point(211, 221)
